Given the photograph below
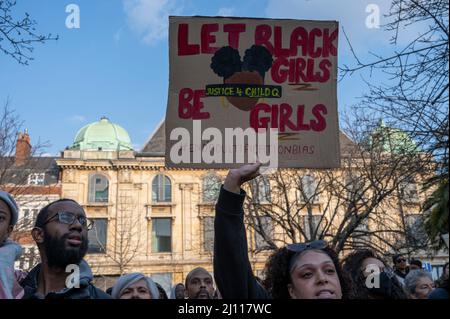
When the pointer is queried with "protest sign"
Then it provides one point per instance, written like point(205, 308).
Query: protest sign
point(240, 86)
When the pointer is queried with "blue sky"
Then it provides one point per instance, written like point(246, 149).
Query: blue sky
point(116, 63)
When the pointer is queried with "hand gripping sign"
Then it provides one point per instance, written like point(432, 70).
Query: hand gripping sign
point(244, 89)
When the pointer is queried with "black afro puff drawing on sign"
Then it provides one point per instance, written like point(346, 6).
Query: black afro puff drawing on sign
point(227, 63)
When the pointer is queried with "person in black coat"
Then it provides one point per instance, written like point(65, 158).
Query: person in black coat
point(297, 271)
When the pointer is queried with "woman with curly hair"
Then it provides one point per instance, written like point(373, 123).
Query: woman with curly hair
point(370, 278)
point(297, 271)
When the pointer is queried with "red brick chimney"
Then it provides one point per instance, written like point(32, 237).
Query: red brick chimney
point(23, 148)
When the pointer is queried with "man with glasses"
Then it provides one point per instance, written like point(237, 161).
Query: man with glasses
point(400, 267)
point(61, 234)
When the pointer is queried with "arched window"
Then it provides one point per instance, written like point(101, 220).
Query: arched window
point(98, 189)
point(161, 189)
point(211, 187)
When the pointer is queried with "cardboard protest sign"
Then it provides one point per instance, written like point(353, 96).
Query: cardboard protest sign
point(242, 76)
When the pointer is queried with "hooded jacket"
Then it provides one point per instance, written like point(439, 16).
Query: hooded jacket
point(10, 251)
point(86, 289)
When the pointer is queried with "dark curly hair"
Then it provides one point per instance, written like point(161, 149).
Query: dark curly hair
point(257, 58)
point(352, 266)
point(278, 273)
point(226, 61)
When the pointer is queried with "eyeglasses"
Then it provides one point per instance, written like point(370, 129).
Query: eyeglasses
point(301, 247)
point(401, 260)
point(69, 218)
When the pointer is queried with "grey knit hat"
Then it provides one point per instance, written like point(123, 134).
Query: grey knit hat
point(7, 198)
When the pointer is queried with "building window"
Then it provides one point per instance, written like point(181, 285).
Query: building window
point(162, 189)
point(161, 235)
point(361, 232)
point(436, 271)
point(36, 179)
point(260, 187)
point(26, 218)
point(415, 230)
point(98, 189)
point(164, 279)
point(308, 186)
point(97, 236)
point(264, 229)
point(355, 189)
point(314, 222)
point(34, 215)
point(211, 187)
point(408, 190)
point(29, 217)
point(208, 234)
point(30, 257)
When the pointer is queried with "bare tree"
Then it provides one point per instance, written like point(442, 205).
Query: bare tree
point(123, 244)
point(14, 177)
point(18, 36)
point(414, 95)
point(358, 205)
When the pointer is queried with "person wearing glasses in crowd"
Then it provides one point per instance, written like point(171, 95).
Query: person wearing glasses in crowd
point(370, 277)
point(61, 234)
point(297, 271)
point(400, 268)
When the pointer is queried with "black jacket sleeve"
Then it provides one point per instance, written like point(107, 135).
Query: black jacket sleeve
point(232, 269)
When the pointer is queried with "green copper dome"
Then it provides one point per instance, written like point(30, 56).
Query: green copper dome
point(102, 136)
point(392, 140)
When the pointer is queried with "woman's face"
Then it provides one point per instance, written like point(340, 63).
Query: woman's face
point(314, 276)
point(138, 290)
point(423, 288)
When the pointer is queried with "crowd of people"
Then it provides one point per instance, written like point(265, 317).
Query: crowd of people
point(310, 270)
